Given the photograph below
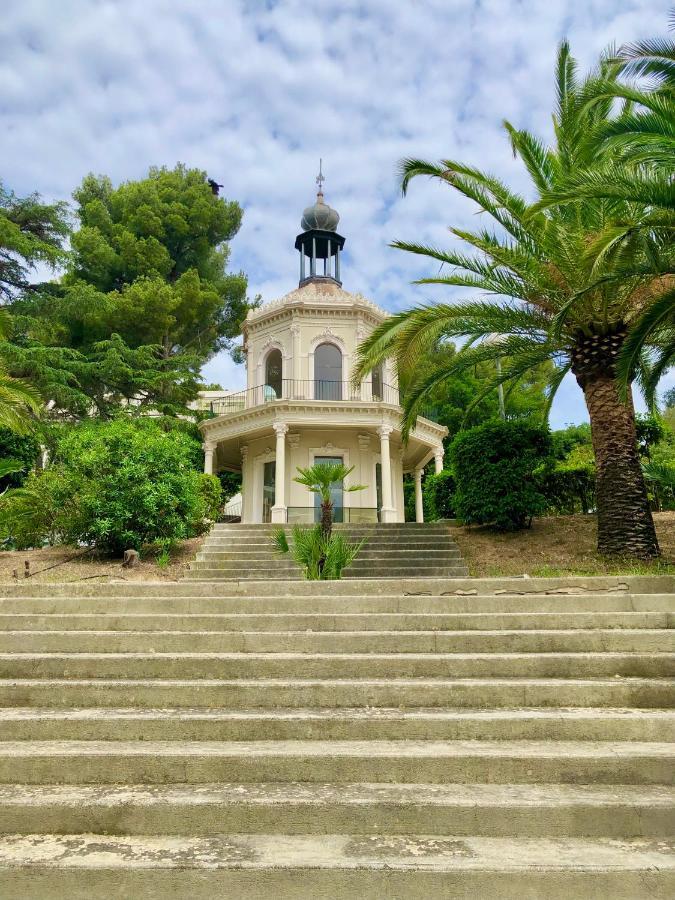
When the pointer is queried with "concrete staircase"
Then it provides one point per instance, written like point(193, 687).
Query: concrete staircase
point(375, 739)
point(401, 550)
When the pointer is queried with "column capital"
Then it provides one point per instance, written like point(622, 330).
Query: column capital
point(384, 431)
point(209, 446)
point(281, 428)
point(244, 451)
point(418, 473)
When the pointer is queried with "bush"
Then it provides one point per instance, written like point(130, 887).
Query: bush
point(569, 483)
point(23, 448)
point(115, 485)
point(439, 496)
point(494, 467)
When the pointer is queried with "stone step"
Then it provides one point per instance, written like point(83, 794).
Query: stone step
point(370, 554)
point(336, 666)
point(433, 762)
point(635, 586)
point(417, 641)
point(298, 867)
point(610, 622)
point(486, 810)
point(439, 724)
point(241, 693)
point(339, 604)
point(207, 572)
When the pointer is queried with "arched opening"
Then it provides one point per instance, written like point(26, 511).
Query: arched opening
point(377, 381)
point(273, 375)
point(327, 372)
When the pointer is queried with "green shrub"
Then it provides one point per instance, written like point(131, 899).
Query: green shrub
point(115, 485)
point(24, 449)
point(569, 483)
point(494, 467)
point(322, 557)
point(439, 496)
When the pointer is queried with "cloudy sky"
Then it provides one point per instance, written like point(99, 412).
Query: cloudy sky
point(255, 92)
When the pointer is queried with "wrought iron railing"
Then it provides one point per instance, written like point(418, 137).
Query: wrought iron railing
point(313, 389)
point(350, 515)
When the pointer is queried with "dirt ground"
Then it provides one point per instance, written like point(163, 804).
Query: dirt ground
point(556, 545)
point(57, 564)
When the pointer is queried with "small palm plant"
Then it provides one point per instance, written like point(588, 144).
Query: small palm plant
point(319, 478)
point(321, 557)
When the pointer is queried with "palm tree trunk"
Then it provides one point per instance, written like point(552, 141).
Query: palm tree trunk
point(326, 518)
point(625, 523)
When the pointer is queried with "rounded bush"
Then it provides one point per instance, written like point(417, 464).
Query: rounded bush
point(494, 467)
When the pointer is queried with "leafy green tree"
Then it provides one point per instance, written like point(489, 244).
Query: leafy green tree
point(438, 496)
point(114, 485)
point(31, 233)
point(22, 449)
point(145, 301)
point(494, 466)
point(534, 267)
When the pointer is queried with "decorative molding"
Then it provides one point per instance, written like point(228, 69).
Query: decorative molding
point(364, 442)
point(328, 336)
point(209, 446)
point(294, 440)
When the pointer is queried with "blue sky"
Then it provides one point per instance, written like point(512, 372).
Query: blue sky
point(255, 92)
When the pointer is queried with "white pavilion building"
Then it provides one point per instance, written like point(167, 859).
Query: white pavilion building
point(300, 406)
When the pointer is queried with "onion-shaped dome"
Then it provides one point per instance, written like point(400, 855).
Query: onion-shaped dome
point(320, 216)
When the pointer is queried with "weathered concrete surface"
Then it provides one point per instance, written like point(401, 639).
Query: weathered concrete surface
point(493, 810)
point(368, 723)
point(345, 866)
point(441, 738)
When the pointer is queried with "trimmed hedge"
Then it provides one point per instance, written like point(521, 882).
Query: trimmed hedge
point(494, 466)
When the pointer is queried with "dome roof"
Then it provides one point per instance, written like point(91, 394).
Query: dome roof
point(320, 216)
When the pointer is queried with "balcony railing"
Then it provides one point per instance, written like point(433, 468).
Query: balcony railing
point(290, 389)
point(351, 515)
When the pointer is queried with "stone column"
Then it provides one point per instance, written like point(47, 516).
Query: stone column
point(209, 448)
point(388, 511)
point(438, 459)
point(279, 508)
point(245, 512)
point(419, 504)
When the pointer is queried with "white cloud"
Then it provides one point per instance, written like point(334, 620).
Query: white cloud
point(255, 92)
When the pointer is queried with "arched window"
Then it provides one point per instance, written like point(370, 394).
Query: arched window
point(273, 375)
point(378, 382)
point(327, 372)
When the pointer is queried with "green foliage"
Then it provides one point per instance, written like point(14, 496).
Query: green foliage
point(438, 496)
point(115, 485)
point(659, 470)
point(649, 431)
point(31, 232)
point(145, 301)
point(494, 466)
point(569, 483)
point(320, 478)
point(669, 398)
point(22, 450)
point(230, 483)
point(321, 557)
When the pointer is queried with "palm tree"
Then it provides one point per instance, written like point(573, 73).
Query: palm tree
point(18, 398)
point(548, 299)
point(319, 478)
point(637, 170)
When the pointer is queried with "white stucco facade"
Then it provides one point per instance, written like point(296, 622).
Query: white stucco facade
point(300, 405)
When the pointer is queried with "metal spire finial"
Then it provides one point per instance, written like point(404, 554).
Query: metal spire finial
point(320, 178)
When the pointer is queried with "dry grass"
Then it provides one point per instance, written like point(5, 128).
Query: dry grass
point(557, 545)
point(56, 564)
